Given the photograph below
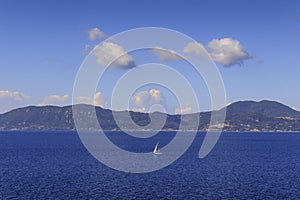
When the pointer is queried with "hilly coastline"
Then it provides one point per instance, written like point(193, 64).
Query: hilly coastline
point(242, 116)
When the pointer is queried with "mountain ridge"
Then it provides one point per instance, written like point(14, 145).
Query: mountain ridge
point(242, 116)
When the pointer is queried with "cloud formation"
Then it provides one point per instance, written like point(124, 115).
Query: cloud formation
point(12, 99)
point(145, 99)
point(99, 100)
point(86, 49)
point(113, 55)
point(54, 100)
point(165, 55)
point(226, 51)
point(195, 48)
point(185, 110)
point(95, 34)
point(16, 96)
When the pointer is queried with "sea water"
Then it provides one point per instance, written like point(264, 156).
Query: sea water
point(55, 164)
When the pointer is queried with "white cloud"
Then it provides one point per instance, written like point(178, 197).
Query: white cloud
point(95, 34)
point(145, 99)
point(152, 95)
point(12, 99)
point(185, 110)
point(16, 96)
point(225, 51)
point(110, 52)
point(99, 100)
point(142, 110)
point(54, 100)
point(164, 55)
point(195, 48)
point(86, 49)
point(155, 94)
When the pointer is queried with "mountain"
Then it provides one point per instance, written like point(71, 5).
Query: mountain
point(261, 116)
point(266, 108)
point(241, 116)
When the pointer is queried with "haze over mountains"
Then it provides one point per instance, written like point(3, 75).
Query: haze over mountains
point(242, 116)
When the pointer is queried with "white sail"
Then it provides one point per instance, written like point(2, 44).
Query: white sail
point(156, 150)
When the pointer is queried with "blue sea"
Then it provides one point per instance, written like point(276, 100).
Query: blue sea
point(56, 165)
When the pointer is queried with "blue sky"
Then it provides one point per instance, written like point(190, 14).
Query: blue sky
point(42, 45)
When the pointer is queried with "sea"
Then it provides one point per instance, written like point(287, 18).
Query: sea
point(56, 165)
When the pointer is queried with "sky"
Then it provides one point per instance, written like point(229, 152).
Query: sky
point(254, 44)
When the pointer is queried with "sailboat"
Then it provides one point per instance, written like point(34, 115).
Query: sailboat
point(156, 151)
